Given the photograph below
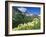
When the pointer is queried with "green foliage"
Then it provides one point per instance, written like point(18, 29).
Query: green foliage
point(17, 19)
point(22, 22)
point(35, 24)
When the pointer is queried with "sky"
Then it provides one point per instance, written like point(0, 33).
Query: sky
point(33, 10)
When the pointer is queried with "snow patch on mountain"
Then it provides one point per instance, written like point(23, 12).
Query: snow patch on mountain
point(22, 9)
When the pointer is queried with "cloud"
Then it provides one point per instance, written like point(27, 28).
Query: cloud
point(39, 15)
point(29, 14)
point(22, 9)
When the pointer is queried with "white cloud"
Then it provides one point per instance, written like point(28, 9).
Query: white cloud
point(29, 14)
point(39, 15)
point(22, 9)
